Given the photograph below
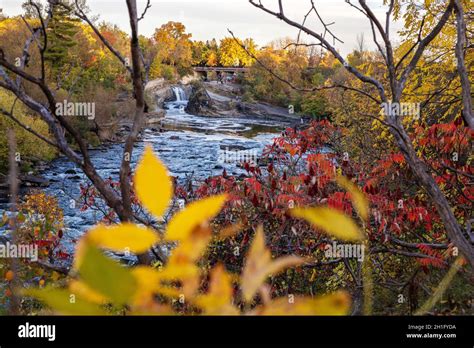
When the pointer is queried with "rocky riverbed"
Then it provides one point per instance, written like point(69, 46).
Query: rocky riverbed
point(191, 146)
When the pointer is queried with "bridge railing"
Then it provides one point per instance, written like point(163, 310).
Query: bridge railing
point(219, 69)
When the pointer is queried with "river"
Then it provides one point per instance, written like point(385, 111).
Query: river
point(189, 145)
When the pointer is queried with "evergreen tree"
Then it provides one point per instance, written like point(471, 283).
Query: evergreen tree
point(61, 31)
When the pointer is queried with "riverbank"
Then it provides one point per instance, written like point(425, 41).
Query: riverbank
point(215, 99)
point(168, 109)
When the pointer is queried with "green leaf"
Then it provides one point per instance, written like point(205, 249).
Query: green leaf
point(64, 301)
point(107, 276)
point(4, 219)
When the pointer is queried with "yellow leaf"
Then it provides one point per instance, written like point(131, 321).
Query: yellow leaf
point(333, 304)
point(124, 237)
point(358, 198)
point(259, 265)
point(441, 288)
point(149, 284)
point(193, 247)
point(60, 301)
point(195, 214)
point(230, 231)
point(218, 301)
point(174, 271)
point(82, 290)
point(81, 248)
point(153, 185)
point(331, 221)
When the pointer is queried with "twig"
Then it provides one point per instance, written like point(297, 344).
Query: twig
point(13, 308)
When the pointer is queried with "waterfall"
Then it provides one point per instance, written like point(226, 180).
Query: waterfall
point(179, 94)
point(180, 102)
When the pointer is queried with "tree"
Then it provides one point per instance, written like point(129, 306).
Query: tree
point(232, 54)
point(393, 93)
point(174, 46)
point(213, 58)
point(61, 31)
point(201, 53)
point(60, 126)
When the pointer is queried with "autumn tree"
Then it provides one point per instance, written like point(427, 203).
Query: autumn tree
point(393, 90)
point(12, 77)
point(174, 47)
point(232, 54)
point(212, 59)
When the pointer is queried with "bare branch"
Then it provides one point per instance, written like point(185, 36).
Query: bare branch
point(125, 169)
point(293, 86)
point(148, 5)
point(78, 12)
point(27, 128)
point(421, 48)
point(461, 65)
point(14, 305)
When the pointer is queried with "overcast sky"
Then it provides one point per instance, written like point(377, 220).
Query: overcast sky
point(207, 19)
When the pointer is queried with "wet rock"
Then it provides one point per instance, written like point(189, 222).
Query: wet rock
point(157, 92)
point(188, 79)
point(200, 102)
point(32, 180)
point(233, 147)
point(155, 116)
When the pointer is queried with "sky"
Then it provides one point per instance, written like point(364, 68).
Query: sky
point(207, 19)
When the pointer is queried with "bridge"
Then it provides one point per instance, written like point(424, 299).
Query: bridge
point(220, 69)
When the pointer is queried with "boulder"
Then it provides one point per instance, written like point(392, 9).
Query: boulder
point(31, 180)
point(200, 102)
point(156, 93)
point(155, 116)
point(189, 79)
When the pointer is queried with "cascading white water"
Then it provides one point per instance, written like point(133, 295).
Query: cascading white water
point(179, 94)
point(180, 102)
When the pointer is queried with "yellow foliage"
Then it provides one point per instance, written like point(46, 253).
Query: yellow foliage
point(331, 221)
point(124, 237)
point(358, 198)
point(333, 304)
point(101, 280)
point(218, 301)
point(259, 265)
point(187, 220)
point(153, 184)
